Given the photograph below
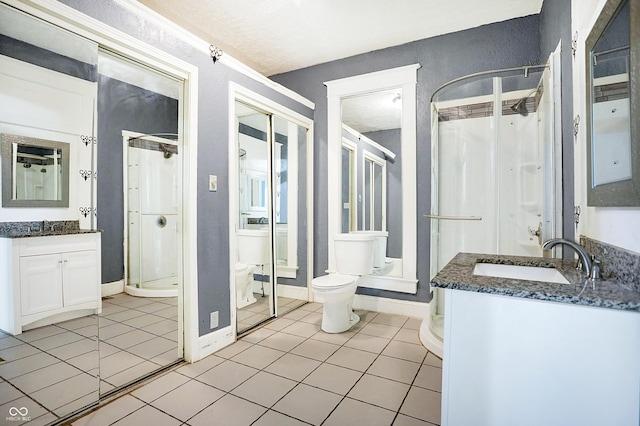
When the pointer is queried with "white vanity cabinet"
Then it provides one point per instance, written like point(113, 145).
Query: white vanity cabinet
point(516, 361)
point(49, 279)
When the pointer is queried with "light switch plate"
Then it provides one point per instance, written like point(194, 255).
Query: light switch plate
point(213, 320)
point(213, 183)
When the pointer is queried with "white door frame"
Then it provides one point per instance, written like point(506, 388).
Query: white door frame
point(352, 147)
point(66, 17)
point(374, 159)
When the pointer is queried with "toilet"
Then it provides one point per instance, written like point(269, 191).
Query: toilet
point(244, 279)
point(379, 247)
point(253, 253)
point(354, 258)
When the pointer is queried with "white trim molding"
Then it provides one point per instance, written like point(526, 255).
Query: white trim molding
point(391, 306)
point(213, 342)
point(109, 289)
point(203, 46)
point(404, 78)
point(371, 142)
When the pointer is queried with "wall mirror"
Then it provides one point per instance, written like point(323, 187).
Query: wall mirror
point(35, 172)
point(613, 106)
point(372, 183)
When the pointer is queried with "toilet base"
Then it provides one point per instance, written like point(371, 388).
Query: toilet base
point(245, 301)
point(338, 318)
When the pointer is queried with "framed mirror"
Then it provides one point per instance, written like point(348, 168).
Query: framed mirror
point(372, 182)
point(613, 106)
point(35, 172)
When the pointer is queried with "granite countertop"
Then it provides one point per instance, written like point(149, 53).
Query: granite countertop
point(458, 275)
point(42, 229)
point(24, 234)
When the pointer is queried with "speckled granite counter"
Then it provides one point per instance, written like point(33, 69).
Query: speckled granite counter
point(458, 275)
point(42, 229)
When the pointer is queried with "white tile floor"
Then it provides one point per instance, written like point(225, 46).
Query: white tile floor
point(137, 336)
point(289, 372)
point(53, 370)
point(260, 311)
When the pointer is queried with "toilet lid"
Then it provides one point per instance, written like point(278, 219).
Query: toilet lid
point(240, 266)
point(333, 280)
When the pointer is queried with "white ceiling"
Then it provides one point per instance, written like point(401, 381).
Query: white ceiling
point(275, 36)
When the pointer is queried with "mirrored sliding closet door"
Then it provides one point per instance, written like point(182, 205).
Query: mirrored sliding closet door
point(271, 259)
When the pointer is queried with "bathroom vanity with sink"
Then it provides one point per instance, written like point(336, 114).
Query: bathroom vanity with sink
point(527, 352)
point(47, 276)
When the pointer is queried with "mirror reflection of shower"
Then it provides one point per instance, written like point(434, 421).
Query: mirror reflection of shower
point(153, 214)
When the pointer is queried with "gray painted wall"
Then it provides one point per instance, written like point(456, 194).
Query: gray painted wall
point(506, 44)
point(213, 119)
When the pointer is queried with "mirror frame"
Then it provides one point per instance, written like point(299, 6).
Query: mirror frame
point(404, 78)
point(7, 174)
point(625, 193)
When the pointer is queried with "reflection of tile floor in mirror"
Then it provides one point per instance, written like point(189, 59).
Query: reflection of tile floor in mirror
point(137, 336)
point(51, 371)
point(289, 372)
point(258, 311)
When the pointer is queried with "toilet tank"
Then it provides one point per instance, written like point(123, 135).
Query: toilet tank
point(253, 246)
point(354, 253)
point(379, 247)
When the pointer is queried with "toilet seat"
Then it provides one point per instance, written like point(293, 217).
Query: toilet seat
point(333, 281)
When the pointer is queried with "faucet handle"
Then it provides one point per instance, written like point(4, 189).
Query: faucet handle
point(596, 269)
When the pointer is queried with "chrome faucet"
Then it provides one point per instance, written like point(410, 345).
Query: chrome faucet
point(582, 253)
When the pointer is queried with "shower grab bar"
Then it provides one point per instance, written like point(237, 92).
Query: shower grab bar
point(439, 217)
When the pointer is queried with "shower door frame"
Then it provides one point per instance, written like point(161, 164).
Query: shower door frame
point(239, 93)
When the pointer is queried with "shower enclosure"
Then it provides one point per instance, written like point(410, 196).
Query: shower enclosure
point(493, 174)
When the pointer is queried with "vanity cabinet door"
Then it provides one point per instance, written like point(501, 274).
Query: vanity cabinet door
point(79, 277)
point(40, 283)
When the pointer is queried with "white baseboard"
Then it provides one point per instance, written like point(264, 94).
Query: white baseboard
point(109, 289)
point(293, 292)
point(213, 342)
point(391, 306)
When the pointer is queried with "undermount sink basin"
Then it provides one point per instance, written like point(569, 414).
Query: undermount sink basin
point(516, 272)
